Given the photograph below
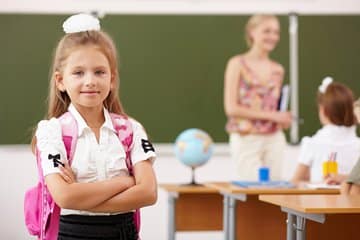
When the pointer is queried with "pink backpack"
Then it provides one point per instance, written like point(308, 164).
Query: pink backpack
point(41, 212)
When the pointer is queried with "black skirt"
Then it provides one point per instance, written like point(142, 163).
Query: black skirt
point(113, 227)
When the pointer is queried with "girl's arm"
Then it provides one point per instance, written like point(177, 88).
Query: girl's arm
point(355, 189)
point(143, 193)
point(233, 109)
point(345, 188)
point(82, 196)
point(350, 188)
point(302, 174)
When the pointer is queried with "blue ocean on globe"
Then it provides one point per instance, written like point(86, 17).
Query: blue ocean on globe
point(194, 147)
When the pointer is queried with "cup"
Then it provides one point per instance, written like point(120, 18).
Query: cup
point(325, 169)
point(333, 167)
point(264, 174)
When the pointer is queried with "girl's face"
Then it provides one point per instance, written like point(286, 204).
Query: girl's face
point(86, 78)
point(266, 35)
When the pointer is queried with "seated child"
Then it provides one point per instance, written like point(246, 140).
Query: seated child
point(336, 139)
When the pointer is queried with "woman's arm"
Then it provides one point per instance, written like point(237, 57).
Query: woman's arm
point(302, 174)
point(233, 109)
point(143, 193)
point(82, 196)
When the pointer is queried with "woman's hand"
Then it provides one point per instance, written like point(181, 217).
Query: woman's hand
point(67, 174)
point(284, 119)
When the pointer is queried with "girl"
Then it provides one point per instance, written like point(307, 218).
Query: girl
point(96, 194)
point(251, 94)
point(337, 137)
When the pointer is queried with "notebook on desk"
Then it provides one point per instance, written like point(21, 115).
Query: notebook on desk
point(267, 184)
point(322, 186)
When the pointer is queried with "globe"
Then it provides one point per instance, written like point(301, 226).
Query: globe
point(194, 147)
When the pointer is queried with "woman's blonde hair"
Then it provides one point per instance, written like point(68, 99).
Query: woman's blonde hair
point(58, 102)
point(253, 22)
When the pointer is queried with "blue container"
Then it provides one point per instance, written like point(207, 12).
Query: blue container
point(264, 174)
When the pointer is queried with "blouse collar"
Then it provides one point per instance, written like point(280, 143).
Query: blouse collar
point(82, 124)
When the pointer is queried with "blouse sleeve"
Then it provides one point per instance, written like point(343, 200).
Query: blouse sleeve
point(306, 155)
point(50, 145)
point(355, 174)
point(142, 148)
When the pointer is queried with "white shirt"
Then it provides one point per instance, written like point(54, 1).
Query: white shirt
point(331, 138)
point(92, 161)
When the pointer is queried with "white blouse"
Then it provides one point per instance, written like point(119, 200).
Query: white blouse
point(92, 161)
point(331, 138)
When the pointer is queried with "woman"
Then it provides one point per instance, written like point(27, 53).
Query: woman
point(251, 94)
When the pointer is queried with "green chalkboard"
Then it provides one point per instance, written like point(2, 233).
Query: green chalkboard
point(171, 68)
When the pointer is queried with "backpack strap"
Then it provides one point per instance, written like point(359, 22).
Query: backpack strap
point(49, 207)
point(124, 131)
point(69, 134)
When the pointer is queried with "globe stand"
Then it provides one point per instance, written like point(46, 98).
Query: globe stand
point(193, 182)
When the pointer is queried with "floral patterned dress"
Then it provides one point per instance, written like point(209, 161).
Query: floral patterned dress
point(256, 94)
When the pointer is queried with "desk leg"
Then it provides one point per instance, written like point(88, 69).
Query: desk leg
point(171, 216)
point(226, 217)
point(232, 219)
point(300, 228)
point(290, 226)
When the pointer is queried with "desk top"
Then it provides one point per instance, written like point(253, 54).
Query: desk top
point(186, 188)
point(227, 187)
point(315, 203)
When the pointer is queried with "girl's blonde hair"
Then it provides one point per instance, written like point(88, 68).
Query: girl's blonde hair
point(58, 102)
point(253, 22)
point(338, 104)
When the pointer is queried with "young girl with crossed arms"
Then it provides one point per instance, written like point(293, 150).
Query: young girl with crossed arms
point(96, 194)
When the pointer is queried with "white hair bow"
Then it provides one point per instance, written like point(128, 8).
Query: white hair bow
point(325, 83)
point(80, 23)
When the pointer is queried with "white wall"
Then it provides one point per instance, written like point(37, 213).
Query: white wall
point(18, 172)
point(302, 7)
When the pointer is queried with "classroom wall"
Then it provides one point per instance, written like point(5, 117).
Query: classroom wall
point(171, 67)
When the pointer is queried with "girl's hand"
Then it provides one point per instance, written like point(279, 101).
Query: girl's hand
point(335, 179)
point(67, 174)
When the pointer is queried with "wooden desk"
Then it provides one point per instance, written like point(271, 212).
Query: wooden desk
point(256, 220)
point(343, 215)
point(193, 208)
